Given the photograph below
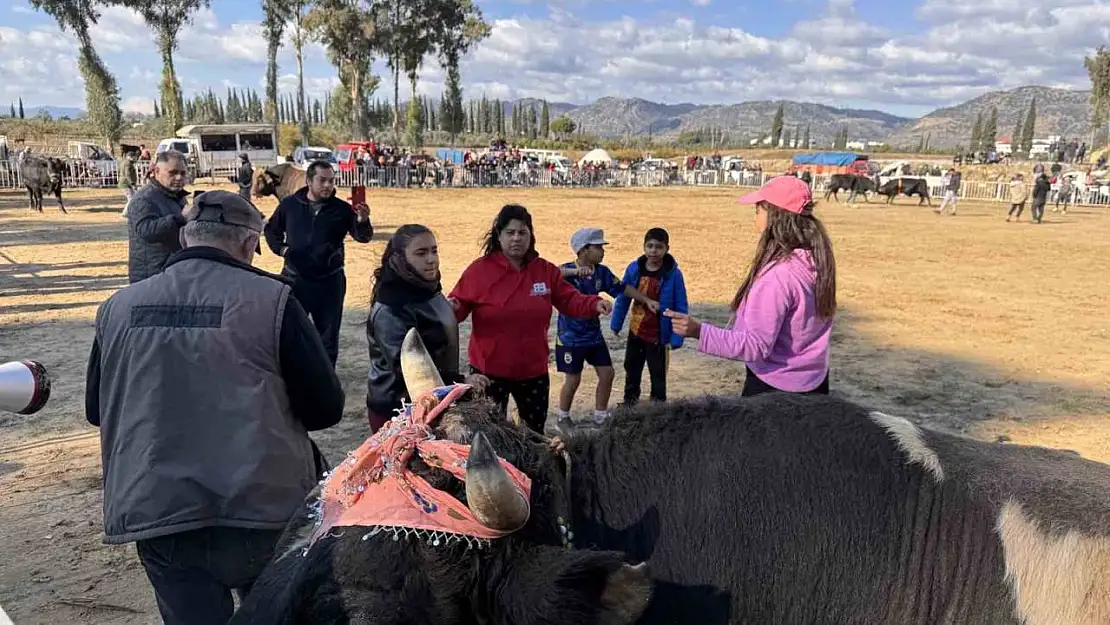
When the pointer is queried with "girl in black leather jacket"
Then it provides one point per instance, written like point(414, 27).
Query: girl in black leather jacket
point(407, 293)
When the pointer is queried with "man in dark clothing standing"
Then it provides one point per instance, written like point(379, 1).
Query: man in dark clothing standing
point(308, 229)
point(245, 176)
point(1041, 187)
point(154, 217)
point(205, 380)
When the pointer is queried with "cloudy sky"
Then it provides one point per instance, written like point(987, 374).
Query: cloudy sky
point(879, 54)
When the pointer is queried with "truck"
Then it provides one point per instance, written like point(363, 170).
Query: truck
point(831, 163)
point(209, 146)
point(346, 154)
point(93, 162)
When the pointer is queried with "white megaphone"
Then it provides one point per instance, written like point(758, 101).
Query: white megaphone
point(24, 386)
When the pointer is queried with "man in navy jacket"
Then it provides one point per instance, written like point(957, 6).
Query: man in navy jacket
point(307, 230)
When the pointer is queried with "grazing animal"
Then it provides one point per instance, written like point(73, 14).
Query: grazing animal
point(278, 180)
point(43, 174)
point(851, 183)
point(906, 187)
point(775, 509)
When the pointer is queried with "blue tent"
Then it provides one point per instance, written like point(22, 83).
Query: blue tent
point(452, 156)
point(834, 159)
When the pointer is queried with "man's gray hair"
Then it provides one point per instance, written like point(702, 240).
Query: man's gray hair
point(201, 232)
point(167, 156)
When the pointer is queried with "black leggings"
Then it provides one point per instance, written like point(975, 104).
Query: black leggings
point(754, 386)
point(531, 397)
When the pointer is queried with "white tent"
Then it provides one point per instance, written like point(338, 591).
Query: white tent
point(597, 156)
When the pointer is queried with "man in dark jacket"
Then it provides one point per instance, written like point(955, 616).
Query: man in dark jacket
point(205, 380)
point(245, 176)
point(127, 178)
point(308, 229)
point(1041, 187)
point(154, 217)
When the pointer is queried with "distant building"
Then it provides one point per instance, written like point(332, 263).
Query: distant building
point(863, 146)
point(1004, 145)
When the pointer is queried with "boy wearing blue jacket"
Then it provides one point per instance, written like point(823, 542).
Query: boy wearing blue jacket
point(650, 337)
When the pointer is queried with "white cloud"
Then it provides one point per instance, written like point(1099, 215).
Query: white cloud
point(315, 87)
point(959, 50)
point(138, 105)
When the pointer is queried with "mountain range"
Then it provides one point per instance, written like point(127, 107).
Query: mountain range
point(30, 112)
point(1059, 112)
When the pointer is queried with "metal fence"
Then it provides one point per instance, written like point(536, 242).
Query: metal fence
point(101, 174)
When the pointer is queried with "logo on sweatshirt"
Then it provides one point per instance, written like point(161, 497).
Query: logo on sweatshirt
point(539, 288)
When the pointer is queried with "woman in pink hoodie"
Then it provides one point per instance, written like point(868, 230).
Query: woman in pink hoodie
point(783, 312)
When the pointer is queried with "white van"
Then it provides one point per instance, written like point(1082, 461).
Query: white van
point(217, 146)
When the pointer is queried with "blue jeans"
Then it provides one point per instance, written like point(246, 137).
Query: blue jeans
point(193, 573)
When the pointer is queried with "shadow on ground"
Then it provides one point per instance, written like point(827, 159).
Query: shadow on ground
point(17, 232)
point(934, 388)
point(26, 279)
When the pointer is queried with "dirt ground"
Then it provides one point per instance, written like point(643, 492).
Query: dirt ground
point(966, 323)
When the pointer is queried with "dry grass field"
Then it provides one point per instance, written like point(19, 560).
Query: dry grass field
point(966, 323)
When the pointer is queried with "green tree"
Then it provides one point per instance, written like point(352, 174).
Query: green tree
point(101, 90)
point(275, 14)
point(13, 110)
point(1015, 140)
point(988, 135)
point(166, 18)
point(21, 108)
point(805, 141)
point(563, 126)
point(545, 121)
point(414, 123)
point(786, 136)
point(1098, 70)
point(459, 29)
point(452, 114)
point(1030, 127)
point(776, 125)
point(348, 30)
point(298, 10)
point(976, 133)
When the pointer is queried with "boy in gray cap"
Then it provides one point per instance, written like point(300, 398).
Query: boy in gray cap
point(579, 341)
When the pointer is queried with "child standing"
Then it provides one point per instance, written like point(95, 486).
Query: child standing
point(650, 337)
point(784, 309)
point(579, 341)
point(1019, 193)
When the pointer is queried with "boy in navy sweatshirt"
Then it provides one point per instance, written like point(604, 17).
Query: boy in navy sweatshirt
point(579, 340)
point(650, 336)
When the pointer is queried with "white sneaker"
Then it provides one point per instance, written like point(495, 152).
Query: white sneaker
point(600, 417)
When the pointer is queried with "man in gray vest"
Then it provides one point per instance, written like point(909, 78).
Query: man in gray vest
point(205, 380)
point(154, 217)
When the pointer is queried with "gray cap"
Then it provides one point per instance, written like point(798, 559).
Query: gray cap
point(587, 236)
point(227, 208)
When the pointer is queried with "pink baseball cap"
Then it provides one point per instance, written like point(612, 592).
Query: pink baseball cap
point(789, 193)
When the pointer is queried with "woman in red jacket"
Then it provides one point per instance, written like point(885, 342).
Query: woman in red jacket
point(509, 292)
